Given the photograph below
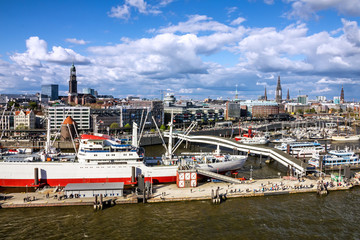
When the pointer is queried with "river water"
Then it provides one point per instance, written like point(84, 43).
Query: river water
point(305, 216)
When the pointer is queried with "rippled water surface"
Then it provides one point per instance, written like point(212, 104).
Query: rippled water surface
point(304, 216)
point(299, 216)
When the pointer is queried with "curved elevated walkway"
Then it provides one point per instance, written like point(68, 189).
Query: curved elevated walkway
point(283, 158)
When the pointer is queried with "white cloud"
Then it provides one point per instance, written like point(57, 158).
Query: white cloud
point(76, 41)
point(238, 21)
point(321, 90)
point(37, 52)
point(120, 12)
point(189, 62)
point(261, 84)
point(306, 9)
point(140, 5)
point(352, 32)
point(187, 91)
point(195, 24)
point(231, 10)
point(124, 11)
point(337, 81)
point(269, 2)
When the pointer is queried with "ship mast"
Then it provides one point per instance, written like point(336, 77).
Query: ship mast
point(170, 144)
point(48, 140)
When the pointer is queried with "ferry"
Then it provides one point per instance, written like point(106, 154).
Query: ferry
point(334, 160)
point(303, 148)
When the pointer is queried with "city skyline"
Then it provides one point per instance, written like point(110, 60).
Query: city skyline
point(194, 49)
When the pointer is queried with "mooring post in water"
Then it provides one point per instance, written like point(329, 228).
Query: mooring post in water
point(101, 202)
point(96, 202)
point(321, 161)
point(132, 174)
point(36, 176)
point(144, 195)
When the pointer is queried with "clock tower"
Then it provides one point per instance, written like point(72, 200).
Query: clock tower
point(278, 93)
point(72, 85)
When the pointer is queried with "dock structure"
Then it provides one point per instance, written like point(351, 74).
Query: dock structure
point(285, 159)
point(171, 193)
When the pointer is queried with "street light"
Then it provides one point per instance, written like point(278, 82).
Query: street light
point(251, 170)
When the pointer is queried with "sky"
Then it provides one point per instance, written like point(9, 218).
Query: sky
point(194, 49)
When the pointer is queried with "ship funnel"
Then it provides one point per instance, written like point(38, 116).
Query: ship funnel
point(134, 135)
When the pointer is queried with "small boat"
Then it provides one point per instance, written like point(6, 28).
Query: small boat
point(301, 148)
point(342, 152)
point(333, 160)
point(253, 140)
point(284, 140)
point(345, 137)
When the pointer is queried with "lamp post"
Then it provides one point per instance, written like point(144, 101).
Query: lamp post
point(251, 171)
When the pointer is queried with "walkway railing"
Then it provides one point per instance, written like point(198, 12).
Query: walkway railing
point(285, 159)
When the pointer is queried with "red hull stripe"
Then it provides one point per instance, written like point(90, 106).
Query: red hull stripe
point(64, 182)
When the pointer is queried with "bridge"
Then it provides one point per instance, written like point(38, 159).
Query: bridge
point(283, 158)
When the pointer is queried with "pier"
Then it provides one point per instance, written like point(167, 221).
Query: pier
point(171, 193)
point(285, 159)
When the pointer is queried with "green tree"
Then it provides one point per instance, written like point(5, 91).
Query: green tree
point(114, 125)
point(127, 126)
point(300, 111)
point(152, 130)
point(32, 105)
point(162, 127)
point(11, 103)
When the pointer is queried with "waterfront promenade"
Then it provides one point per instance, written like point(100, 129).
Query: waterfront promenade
point(171, 193)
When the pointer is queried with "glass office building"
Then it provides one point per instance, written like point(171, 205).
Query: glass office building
point(50, 90)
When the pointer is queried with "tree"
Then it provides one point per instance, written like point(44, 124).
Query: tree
point(10, 103)
point(152, 130)
point(32, 105)
point(162, 127)
point(127, 126)
point(114, 125)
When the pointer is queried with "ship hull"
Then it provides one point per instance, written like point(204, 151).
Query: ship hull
point(15, 174)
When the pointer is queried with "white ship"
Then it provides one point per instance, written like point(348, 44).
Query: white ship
point(100, 159)
point(345, 138)
point(301, 148)
point(335, 158)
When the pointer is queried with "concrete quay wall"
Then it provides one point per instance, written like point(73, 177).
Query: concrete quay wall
point(171, 193)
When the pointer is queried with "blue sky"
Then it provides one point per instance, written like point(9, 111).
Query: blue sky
point(192, 48)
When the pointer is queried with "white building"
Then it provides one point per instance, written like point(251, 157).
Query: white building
point(24, 120)
point(81, 115)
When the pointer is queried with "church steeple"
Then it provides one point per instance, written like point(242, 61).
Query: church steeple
point(342, 100)
point(288, 96)
point(278, 94)
point(236, 93)
point(265, 95)
point(72, 84)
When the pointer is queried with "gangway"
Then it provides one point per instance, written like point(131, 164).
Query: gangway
point(283, 158)
point(218, 176)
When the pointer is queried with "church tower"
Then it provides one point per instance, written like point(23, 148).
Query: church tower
point(72, 85)
point(342, 100)
point(265, 95)
point(278, 93)
point(288, 96)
